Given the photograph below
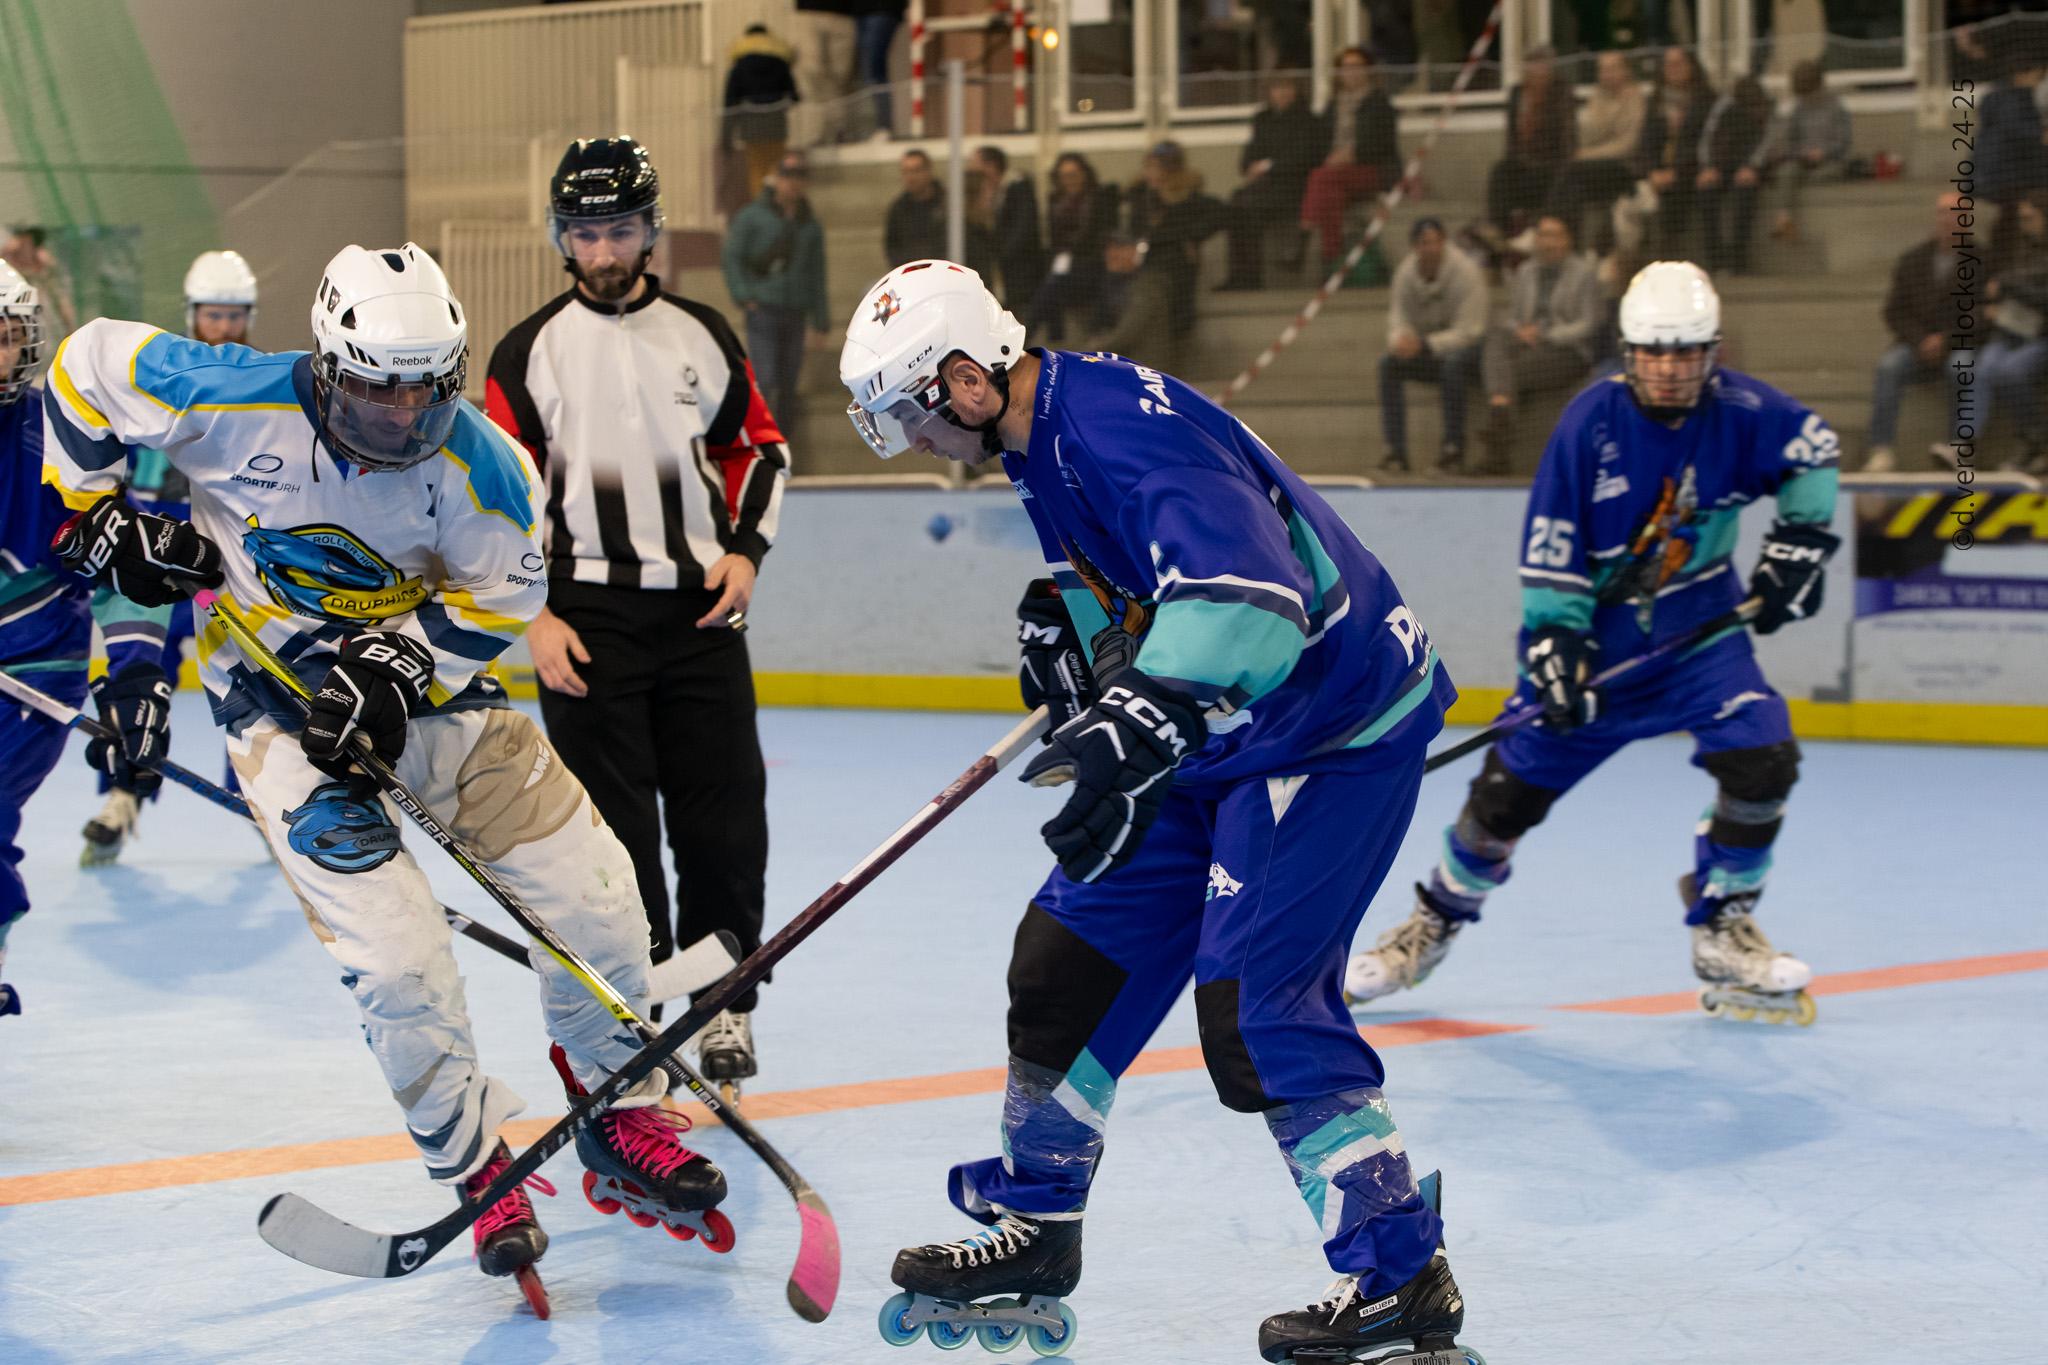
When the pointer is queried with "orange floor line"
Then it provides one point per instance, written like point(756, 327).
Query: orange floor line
point(209, 1167)
point(1841, 983)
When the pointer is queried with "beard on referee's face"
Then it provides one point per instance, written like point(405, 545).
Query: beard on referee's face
point(607, 283)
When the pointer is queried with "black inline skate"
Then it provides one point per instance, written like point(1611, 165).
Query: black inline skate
point(1030, 1263)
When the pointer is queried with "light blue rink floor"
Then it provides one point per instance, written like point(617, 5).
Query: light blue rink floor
point(1620, 1188)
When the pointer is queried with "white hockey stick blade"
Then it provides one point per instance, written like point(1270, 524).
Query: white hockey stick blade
point(694, 968)
point(310, 1234)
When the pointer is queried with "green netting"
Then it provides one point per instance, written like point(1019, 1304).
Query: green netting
point(106, 168)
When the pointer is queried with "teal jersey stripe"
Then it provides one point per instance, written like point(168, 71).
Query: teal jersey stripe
point(1549, 607)
point(496, 469)
point(1226, 645)
point(1716, 542)
point(184, 374)
point(1308, 548)
point(1418, 692)
point(1808, 497)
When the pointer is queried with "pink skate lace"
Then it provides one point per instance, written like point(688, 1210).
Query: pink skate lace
point(513, 1208)
point(651, 1138)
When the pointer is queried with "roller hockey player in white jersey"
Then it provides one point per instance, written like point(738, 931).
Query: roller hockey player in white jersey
point(46, 620)
point(1245, 701)
point(220, 305)
point(382, 536)
point(1631, 524)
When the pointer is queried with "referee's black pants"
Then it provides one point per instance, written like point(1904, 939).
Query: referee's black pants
point(666, 737)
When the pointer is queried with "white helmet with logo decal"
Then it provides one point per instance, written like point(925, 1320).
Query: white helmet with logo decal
point(390, 354)
point(1670, 336)
point(906, 326)
point(21, 334)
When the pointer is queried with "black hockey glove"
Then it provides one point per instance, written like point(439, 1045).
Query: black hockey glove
point(1790, 573)
point(1050, 670)
point(1559, 663)
point(1120, 755)
point(376, 685)
point(150, 560)
point(136, 705)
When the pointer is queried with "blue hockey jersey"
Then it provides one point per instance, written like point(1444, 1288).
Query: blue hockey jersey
point(46, 612)
point(1161, 512)
point(1631, 524)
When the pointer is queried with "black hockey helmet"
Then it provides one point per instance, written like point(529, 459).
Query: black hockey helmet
point(604, 177)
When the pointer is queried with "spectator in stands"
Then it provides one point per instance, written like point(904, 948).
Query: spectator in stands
point(1610, 130)
point(1080, 213)
point(2011, 365)
point(28, 251)
point(774, 261)
point(1918, 311)
point(1668, 157)
point(1286, 144)
point(824, 64)
point(1171, 218)
point(1542, 136)
point(759, 91)
point(1554, 313)
point(1808, 140)
point(1434, 329)
point(1729, 180)
point(875, 23)
point(1011, 212)
point(1363, 156)
point(1130, 314)
point(916, 229)
point(2012, 149)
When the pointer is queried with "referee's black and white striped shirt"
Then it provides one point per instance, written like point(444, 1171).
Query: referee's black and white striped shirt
point(659, 453)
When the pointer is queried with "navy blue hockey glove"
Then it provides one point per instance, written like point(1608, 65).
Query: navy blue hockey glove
point(1050, 670)
point(136, 705)
point(1790, 574)
point(150, 560)
point(1559, 663)
point(1120, 755)
point(376, 686)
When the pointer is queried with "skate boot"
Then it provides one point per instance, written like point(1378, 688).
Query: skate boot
point(106, 832)
point(10, 999)
point(1425, 1313)
point(509, 1239)
point(1406, 954)
point(725, 1053)
point(1031, 1263)
point(1746, 978)
point(635, 1159)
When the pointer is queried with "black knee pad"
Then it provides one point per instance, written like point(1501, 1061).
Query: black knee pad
point(1750, 807)
point(1060, 990)
point(1504, 805)
point(1223, 1050)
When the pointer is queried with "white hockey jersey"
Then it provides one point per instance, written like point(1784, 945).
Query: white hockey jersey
point(315, 549)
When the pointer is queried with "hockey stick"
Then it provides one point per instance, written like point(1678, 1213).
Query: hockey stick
point(691, 969)
point(309, 1233)
point(1507, 725)
point(814, 1283)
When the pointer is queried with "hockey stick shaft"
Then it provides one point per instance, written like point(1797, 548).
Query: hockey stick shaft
point(1507, 725)
point(818, 1256)
point(303, 1230)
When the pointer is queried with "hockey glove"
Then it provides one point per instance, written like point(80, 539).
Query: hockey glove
point(1791, 573)
point(375, 687)
point(1120, 755)
point(1050, 670)
point(136, 705)
point(150, 560)
point(1559, 662)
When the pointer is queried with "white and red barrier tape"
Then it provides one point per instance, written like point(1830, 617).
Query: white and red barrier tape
point(1385, 210)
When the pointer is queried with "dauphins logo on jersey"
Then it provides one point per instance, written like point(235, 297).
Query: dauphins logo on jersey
point(326, 571)
point(341, 830)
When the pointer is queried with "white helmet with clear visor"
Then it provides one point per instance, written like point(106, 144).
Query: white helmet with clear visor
point(219, 277)
point(391, 352)
point(1670, 336)
point(910, 321)
point(21, 334)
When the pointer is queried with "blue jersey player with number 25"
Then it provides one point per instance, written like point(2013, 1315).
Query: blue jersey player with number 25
point(1243, 731)
point(1627, 547)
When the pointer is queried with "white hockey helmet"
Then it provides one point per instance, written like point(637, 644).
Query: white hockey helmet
point(219, 277)
point(906, 326)
point(21, 333)
point(390, 355)
point(1670, 311)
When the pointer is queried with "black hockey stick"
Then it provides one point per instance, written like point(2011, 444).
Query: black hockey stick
point(309, 1233)
point(1741, 616)
point(814, 1283)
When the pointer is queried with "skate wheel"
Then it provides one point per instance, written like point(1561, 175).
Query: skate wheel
point(895, 1321)
point(604, 1206)
point(1047, 1342)
point(682, 1232)
point(1806, 1011)
point(949, 1336)
point(718, 1233)
point(996, 1339)
point(641, 1220)
point(1472, 1357)
point(536, 1292)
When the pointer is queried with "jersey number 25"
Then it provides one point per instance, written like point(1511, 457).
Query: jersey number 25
point(1550, 542)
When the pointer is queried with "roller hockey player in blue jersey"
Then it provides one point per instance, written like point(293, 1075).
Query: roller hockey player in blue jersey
point(1244, 702)
point(220, 303)
point(1630, 530)
point(46, 616)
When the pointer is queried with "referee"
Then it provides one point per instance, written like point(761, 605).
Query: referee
point(665, 473)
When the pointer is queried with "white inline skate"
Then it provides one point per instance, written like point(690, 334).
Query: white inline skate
point(1745, 977)
point(1405, 955)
